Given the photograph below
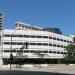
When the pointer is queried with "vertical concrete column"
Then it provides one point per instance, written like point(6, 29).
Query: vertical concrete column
point(1, 62)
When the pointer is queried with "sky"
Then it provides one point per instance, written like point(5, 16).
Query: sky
point(43, 13)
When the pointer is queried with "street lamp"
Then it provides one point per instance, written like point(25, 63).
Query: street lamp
point(11, 56)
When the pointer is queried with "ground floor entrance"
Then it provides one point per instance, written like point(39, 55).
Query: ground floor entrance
point(33, 61)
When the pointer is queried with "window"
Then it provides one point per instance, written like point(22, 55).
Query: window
point(65, 53)
point(39, 36)
point(19, 50)
point(58, 52)
point(0, 26)
point(20, 35)
point(6, 50)
point(62, 46)
point(14, 43)
point(61, 39)
point(32, 43)
point(67, 41)
point(50, 51)
point(62, 53)
point(71, 42)
point(22, 26)
point(19, 25)
point(19, 43)
point(26, 51)
point(50, 44)
point(54, 52)
point(6, 42)
point(38, 51)
point(58, 39)
point(46, 44)
point(54, 38)
point(45, 36)
point(32, 51)
point(58, 45)
point(39, 43)
point(14, 35)
point(32, 36)
point(45, 51)
point(9, 50)
point(64, 40)
point(7, 35)
point(50, 37)
point(54, 45)
point(26, 43)
point(26, 36)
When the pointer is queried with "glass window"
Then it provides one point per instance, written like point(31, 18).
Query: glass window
point(50, 44)
point(45, 36)
point(58, 45)
point(14, 43)
point(39, 36)
point(20, 35)
point(14, 35)
point(6, 42)
point(46, 44)
point(32, 36)
point(50, 51)
point(32, 51)
point(62, 53)
point(20, 25)
point(54, 38)
point(61, 39)
point(50, 37)
point(32, 43)
point(64, 40)
point(54, 52)
point(62, 46)
point(39, 43)
point(19, 43)
point(45, 51)
point(58, 39)
point(54, 45)
point(26, 51)
point(26, 36)
point(6, 50)
point(7, 35)
point(65, 52)
point(58, 52)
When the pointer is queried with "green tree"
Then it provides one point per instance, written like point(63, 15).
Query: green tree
point(39, 54)
point(19, 59)
point(41, 57)
point(70, 56)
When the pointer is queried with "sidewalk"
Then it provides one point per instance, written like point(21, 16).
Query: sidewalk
point(67, 69)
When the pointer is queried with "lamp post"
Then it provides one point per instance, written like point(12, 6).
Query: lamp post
point(11, 55)
point(10, 52)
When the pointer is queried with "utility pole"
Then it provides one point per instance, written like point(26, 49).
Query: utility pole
point(11, 56)
point(10, 50)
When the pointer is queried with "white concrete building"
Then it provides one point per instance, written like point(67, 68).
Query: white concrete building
point(47, 43)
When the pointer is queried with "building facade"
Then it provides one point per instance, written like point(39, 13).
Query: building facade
point(51, 45)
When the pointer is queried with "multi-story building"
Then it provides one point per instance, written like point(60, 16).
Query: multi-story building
point(51, 45)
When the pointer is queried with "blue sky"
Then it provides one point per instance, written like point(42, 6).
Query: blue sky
point(43, 13)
